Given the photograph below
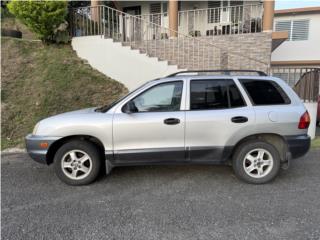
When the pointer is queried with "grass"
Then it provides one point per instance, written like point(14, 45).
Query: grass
point(41, 80)
point(315, 143)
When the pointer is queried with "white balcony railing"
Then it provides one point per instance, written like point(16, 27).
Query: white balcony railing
point(214, 21)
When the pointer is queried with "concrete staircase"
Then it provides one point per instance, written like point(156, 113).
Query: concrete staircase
point(159, 55)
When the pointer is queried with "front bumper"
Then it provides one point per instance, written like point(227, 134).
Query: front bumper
point(35, 151)
point(298, 145)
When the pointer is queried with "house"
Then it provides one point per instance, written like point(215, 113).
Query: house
point(302, 48)
point(297, 60)
point(135, 41)
point(172, 35)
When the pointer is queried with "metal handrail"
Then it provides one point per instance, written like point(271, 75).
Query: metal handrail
point(185, 51)
point(203, 9)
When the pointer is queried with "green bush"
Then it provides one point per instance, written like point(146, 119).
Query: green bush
point(44, 18)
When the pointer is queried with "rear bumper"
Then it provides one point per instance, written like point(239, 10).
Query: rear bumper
point(34, 150)
point(298, 145)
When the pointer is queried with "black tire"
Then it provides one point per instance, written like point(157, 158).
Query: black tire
point(84, 146)
point(239, 158)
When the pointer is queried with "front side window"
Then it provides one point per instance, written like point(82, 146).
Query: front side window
point(165, 97)
point(214, 94)
point(263, 92)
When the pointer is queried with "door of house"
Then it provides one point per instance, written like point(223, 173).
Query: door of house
point(225, 12)
point(132, 26)
point(219, 11)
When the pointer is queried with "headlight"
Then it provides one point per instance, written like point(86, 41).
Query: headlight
point(34, 132)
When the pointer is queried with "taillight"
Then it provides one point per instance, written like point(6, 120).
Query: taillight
point(304, 121)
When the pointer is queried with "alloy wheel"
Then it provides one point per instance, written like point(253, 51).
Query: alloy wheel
point(258, 163)
point(76, 164)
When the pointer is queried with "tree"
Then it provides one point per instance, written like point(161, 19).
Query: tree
point(42, 17)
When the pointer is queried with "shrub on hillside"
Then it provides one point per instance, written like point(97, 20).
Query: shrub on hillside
point(44, 18)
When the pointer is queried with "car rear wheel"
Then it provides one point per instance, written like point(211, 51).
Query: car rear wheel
point(77, 162)
point(256, 162)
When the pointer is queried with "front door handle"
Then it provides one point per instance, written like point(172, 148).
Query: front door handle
point(239, 119)
point(171, 121)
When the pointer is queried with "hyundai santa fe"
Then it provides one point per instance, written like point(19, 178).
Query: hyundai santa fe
point(253, 122)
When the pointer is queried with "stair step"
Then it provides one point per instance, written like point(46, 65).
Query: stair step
point(157, 50)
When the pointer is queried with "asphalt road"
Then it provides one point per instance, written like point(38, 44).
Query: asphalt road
point(160, 202)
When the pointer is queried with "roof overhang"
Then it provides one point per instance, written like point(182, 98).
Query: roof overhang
point(278, 38)
point(295, 11)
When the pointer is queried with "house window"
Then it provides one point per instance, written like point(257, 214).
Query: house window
point(155, 13)
point(236, 11)
point(214, 11)
point(298, 30)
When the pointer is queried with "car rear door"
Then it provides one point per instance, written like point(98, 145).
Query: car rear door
point(218, 114)
point(155, 132)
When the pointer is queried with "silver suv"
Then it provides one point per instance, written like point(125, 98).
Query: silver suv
point(253, 122)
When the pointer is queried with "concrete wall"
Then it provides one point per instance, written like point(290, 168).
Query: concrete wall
point(123, 64)
point(300, 50)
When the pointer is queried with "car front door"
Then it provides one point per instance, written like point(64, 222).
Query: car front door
point(150, 126)
point(218, 114)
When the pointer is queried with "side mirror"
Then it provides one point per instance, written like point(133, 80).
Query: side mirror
point(129, 107)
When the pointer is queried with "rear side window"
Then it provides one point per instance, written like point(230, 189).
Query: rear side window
point(214, 94)
point(263, 92)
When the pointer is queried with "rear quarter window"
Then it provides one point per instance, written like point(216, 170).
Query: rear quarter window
point(264, 92)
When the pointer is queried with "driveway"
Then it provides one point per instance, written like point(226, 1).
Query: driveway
point(160, 202)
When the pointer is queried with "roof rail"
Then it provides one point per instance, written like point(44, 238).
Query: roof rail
point(224, 71)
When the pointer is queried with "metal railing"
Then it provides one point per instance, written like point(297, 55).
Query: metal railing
point(305, 81)
point(214, 21)
point(183, 50)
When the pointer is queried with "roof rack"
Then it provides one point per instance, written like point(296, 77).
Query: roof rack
point(225, 72)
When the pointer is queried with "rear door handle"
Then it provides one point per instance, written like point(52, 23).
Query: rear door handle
point(239, 119)
point(171, 121)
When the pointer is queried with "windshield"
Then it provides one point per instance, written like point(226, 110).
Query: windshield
point(109, 106)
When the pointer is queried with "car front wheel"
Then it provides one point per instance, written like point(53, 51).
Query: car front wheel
point(77, 162)
point(256, 162)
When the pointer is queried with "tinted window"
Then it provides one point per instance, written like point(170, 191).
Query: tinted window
point(265, 92)
point(236, 99)
point(162, 97)
point(214, 94)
